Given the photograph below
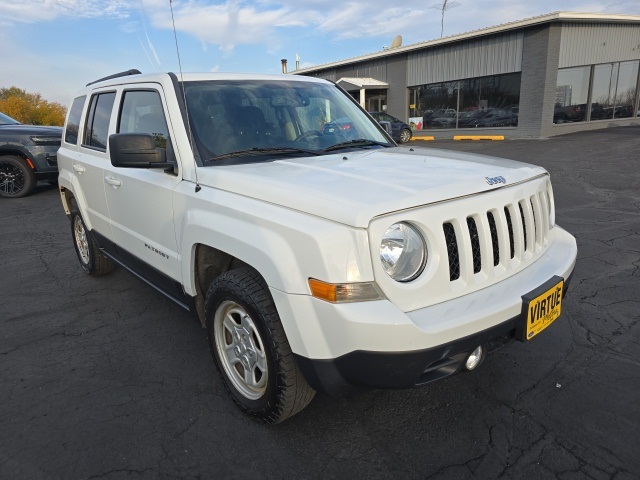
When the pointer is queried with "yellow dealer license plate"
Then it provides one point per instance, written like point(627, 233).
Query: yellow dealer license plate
point(541, 308)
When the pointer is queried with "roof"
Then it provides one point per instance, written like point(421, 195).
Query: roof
point(527, 22)
point(347, 82)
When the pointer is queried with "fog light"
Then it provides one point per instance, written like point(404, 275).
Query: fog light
point(475, 358)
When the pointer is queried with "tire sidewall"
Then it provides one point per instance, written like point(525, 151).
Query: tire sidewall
point(262, 407)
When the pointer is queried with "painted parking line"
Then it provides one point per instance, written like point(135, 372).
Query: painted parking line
point(478, 137)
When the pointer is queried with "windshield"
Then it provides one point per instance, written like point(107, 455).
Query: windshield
point(233, 119)
point(7, 120)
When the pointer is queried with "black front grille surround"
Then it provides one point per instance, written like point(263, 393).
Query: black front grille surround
point(475, 245)
point(494, 239)
point(452, 249)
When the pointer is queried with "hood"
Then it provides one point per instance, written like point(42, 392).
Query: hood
point(30, 130)
point(354, 187)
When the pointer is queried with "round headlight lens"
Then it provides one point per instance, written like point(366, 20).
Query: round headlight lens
point(403, 252)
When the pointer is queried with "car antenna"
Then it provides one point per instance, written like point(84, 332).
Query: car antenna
point(184, 94)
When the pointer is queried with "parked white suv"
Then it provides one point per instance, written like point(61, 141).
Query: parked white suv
point(317, 259)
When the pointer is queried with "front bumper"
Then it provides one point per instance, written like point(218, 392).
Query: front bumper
point(340, 376)
point(376, 344)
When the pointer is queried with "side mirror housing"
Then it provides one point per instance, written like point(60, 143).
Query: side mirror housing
point(386, 125)
point(136, 150)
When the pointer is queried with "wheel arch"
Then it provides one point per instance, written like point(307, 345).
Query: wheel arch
point(70, 197)
point(210, 263)
point(17, 152)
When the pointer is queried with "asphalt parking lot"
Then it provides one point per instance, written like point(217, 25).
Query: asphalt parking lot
point(105, 378)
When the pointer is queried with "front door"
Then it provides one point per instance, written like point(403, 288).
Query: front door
point(141, 199)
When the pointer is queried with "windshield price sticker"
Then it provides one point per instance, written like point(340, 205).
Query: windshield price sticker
point(543, 309)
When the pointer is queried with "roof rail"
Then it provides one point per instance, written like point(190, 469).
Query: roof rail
point(133, 71)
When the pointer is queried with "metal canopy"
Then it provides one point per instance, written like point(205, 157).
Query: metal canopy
point(351, 84)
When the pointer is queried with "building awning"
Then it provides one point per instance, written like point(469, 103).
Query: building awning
point(351, 84)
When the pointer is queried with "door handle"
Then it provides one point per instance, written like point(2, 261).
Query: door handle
point(79, 169)
point(114, 182)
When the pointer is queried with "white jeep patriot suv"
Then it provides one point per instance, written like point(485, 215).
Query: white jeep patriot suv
point(317, 253)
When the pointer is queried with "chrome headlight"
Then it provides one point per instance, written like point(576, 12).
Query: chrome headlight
point(403, 252)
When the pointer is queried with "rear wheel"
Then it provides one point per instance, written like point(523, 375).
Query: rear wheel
point(405, 135)
point(93, 261)
point(250, 348)
point(16, 177)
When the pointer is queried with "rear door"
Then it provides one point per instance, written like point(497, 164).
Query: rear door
point(140, 200)
point(88, 162)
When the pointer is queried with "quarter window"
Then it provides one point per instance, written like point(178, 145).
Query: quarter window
point(73, 123)
point(97, 127)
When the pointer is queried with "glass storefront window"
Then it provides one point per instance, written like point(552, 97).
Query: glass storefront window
point(437, 104)
point(572, 93)
point(489, 101)
point(605, 77)
point(626, 91)
point(613, 92)
point(477, 102)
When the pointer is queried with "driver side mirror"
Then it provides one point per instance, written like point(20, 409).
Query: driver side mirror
point(137, 150)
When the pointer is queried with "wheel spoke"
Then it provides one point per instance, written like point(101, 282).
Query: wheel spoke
point(231, 354)
point(261, 361)
point(229, 324)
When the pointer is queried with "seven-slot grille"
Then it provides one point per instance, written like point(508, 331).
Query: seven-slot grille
point(487, 239)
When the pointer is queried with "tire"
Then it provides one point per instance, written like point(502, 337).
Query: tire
point(92, 260)
point(16, 177)
point(250, 349)
point(405, 136)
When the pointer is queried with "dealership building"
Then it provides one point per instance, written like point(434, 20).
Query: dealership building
point(539, 77)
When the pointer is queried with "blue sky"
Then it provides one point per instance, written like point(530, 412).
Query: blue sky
point(54, 47)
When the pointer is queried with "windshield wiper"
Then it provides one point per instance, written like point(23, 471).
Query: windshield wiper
point(358, 142)
point(263, 151)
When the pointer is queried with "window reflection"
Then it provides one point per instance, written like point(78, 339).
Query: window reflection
point(626, 91)
point(572, 93)
point(603, 92)
point(613, 92)
point(477, 102)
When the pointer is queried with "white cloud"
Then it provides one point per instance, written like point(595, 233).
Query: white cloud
point(31, 11)
point(226, 25)
point(268, 22)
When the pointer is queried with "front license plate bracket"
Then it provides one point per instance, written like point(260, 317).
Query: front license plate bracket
point(540, 308)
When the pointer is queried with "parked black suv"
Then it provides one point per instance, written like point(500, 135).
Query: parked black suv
point(28, 153)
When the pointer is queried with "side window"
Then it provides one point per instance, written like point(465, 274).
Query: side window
point(73, 123)
point(96, 130)
point(141, 112)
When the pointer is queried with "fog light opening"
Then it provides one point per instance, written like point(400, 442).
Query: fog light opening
point(475, 358)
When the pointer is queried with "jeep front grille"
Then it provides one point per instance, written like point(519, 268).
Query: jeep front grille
point(496, 237)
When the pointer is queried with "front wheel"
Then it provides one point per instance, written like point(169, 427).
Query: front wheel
point(16, 178)
point(250, 348)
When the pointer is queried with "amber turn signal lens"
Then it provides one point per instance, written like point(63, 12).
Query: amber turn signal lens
point(345, 292)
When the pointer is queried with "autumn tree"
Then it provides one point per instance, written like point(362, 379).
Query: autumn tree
point(30, 108)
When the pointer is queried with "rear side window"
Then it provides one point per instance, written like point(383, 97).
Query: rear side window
point(73, 123)
point(142, 112)
point(96, 129)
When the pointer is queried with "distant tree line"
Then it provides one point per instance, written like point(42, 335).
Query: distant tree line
point(30, 108)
